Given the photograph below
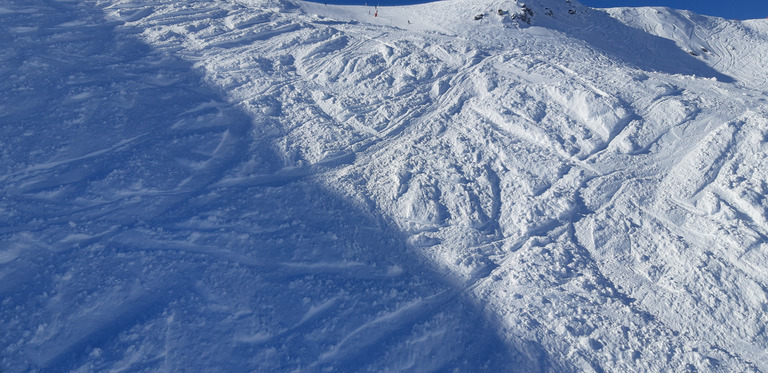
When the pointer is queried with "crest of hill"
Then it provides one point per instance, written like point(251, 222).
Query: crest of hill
point(613, 32)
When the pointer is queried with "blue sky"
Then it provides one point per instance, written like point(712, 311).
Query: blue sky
point(733, 9)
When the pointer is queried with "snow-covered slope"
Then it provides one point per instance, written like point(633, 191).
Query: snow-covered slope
point(734, 48)
point(264, 185)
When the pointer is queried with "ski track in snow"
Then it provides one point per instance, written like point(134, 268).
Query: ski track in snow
point(259, 185)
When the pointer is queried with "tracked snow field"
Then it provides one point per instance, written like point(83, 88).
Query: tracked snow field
point(267, 185)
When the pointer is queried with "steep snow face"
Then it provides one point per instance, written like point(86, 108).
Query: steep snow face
point(732, 47)
point(267, 185)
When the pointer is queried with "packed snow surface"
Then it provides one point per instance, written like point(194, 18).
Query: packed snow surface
point(267, 185)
